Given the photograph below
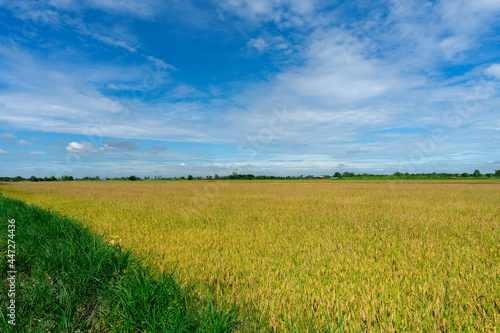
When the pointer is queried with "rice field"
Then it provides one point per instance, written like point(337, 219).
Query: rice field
point(410, 256)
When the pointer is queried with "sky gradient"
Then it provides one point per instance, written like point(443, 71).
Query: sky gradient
point(276, 87)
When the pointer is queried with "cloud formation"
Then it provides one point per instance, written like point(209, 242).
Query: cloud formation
point(258, 43)
point(159, 148)
point(493, 70)
point(120, 145)
point(83, 147)
point(264, 85)
point(7, 136)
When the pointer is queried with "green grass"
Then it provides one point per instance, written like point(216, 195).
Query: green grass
point(70, 280)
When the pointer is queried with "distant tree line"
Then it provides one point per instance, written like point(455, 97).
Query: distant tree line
point(237, 176)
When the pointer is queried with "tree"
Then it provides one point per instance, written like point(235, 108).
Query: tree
point(497, 173)
point(132, 178)
point(345, 174)
point(337, 174)
point(477, 173)
point(33, 179)
point(190, 177)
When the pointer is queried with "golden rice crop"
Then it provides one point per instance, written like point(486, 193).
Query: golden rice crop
point(394, 257)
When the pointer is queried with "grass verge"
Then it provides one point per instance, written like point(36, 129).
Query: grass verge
point(70, 280)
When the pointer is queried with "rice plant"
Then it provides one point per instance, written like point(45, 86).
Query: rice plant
point(410, 256)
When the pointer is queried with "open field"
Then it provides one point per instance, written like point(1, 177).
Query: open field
point(411, 256)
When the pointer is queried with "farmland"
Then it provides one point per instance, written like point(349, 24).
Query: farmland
point(412, 256)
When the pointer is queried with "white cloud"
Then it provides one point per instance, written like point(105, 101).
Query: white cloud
point(31, 154)
point(493, 70)
point(116, 35)
point(453, 45)
point(184, 91)
point(84, 147)
point(119, 145)
point(114, 87)
point(113, 41)
point(158, 148)
point(2, 152)
point(285, 13)
point(7, 136)
point(146, 9)
point(467, 17)
point(258, 43)
point(44, 98)
point(327, 78)
point(357, 150)
point(68, 16)
point(160, 63)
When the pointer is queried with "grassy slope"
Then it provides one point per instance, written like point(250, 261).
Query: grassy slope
point(70, 280)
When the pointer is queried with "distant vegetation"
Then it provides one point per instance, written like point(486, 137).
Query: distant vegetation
point(234, 176)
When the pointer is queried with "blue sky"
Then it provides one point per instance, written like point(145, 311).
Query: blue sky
point(282, 87)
